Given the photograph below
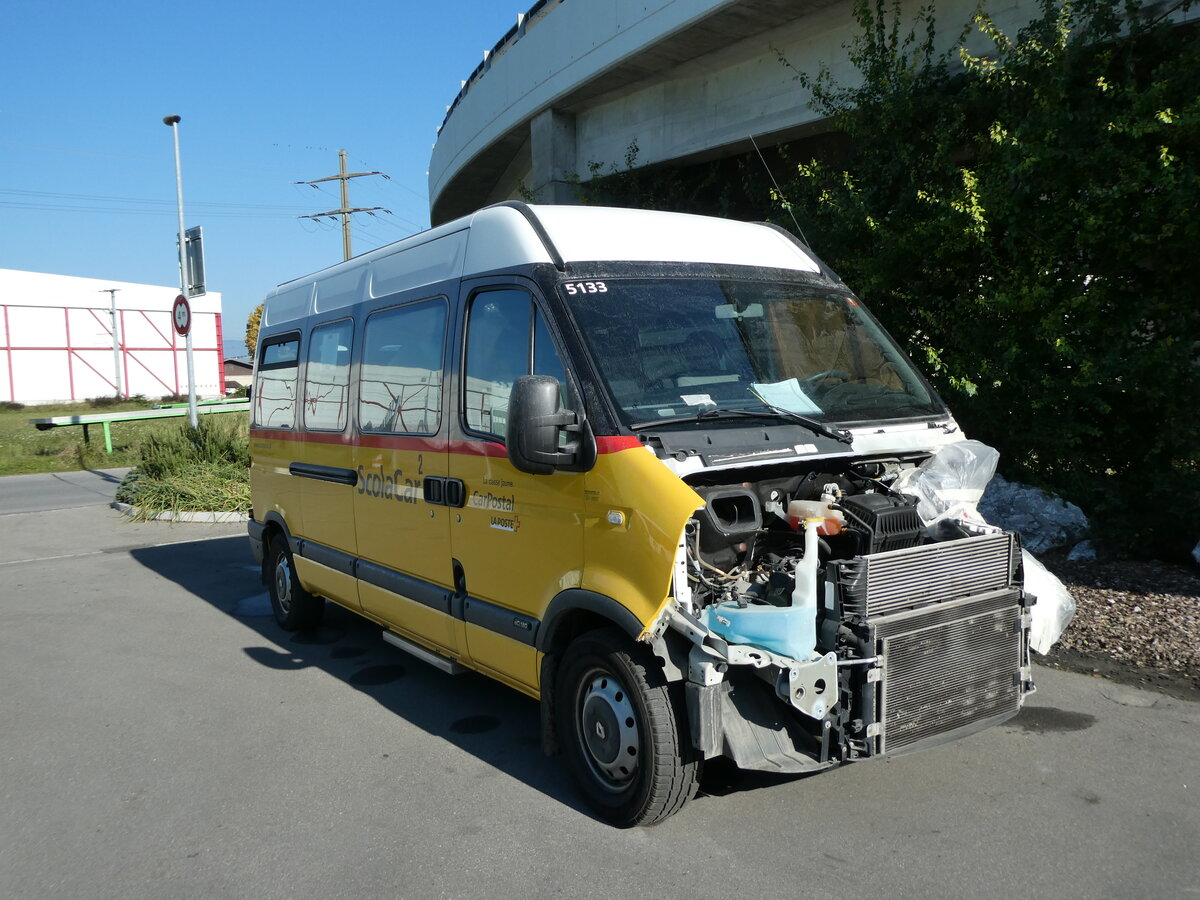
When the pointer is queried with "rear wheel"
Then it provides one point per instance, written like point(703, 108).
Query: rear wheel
point(295, 608)
point(622, 731)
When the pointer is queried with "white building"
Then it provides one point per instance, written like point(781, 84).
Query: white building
point(56, 340)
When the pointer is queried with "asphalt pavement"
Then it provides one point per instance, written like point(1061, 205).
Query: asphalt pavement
point(161, 737)
point(58, 490)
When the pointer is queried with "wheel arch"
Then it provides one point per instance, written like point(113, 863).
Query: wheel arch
point(576, 611)
point(275, 525)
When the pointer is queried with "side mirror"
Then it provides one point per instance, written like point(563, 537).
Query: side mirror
point(534, 421)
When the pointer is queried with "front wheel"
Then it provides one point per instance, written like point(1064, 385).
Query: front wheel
point(295, 608)
point(623, 732)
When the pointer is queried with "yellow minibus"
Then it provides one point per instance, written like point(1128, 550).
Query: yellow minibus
point(643, 467)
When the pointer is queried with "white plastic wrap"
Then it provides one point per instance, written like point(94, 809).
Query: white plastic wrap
point(1055, 607)
point(949, 484)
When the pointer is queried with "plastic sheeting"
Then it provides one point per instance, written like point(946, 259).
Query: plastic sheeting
point(1055, 607)
point(948, 486)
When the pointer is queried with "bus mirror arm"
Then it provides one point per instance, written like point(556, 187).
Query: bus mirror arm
point(534, 422)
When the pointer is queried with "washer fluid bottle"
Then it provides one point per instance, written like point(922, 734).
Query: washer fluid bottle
point(787, 630)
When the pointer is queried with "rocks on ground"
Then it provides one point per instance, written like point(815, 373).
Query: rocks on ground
point(1137, 621)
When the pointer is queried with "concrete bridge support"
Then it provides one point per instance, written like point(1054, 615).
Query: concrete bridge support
point(553, 152)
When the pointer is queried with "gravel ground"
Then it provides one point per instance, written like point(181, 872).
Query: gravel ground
point(1136, 622)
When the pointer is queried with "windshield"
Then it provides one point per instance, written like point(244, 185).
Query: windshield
point(676, 347)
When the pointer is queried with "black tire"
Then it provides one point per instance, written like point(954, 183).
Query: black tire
point(622, 731)
point(295, 608)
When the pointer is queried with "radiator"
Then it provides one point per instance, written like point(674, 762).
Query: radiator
point(956, 668)
point(947, 621)
point(897, 580)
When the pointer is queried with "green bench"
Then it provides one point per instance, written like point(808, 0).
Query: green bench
point(105, 420)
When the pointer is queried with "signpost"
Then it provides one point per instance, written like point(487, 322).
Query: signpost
point(185, 329)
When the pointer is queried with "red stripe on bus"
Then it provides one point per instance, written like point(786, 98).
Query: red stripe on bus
point(490, 449)
point(616, 443)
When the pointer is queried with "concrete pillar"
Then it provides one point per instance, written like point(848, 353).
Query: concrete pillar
point(552, 148)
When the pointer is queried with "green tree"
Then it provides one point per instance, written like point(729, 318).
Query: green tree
point(252, 324)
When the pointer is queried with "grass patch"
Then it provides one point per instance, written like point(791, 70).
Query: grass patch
point(206, 468)
point(25, 450)
point(175, 466)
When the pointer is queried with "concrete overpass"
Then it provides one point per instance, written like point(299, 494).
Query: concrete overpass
point(576, 82)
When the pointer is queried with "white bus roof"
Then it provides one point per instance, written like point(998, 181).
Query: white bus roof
point(510, 235)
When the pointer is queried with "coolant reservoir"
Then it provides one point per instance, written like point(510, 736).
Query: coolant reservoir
point(786, 630)
point(804, 595)
point(832, 519)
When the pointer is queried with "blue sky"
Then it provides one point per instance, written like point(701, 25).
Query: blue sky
point(268, 93)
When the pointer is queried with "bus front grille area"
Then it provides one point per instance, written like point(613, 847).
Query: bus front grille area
point(949, 625)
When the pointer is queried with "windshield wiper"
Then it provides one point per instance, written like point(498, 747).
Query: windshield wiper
point(838, 434)
point(770, 412)
point(703, 415)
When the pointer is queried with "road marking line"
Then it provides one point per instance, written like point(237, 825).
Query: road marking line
point(17, 562)
point(38, 559)
point(29, 512)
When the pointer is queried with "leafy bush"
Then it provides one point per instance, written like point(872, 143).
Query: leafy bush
point(1022, 220)
point(253, 322)
point(201, 468)
point(212, 441)
point(1027, 224)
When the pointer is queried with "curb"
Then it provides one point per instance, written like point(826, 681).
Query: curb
point(207, 518)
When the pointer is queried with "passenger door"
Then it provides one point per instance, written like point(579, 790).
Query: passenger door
point(405, 578)
point(518, 539)
point(274, 435)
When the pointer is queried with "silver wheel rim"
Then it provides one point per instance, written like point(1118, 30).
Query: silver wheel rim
point(283, 584)
point(607, 727)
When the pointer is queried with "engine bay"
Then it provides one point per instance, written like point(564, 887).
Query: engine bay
point(812, 578)
point(744, 544)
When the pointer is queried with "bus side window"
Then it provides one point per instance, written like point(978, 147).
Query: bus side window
point(275, 390)
point(327, 376)
point(400, 385)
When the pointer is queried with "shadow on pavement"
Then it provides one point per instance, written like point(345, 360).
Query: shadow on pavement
point(494, 723)
point(112, 476)
point(482, 717)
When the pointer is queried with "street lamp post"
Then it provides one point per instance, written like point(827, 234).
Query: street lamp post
point(116, 338)
point(172, 122)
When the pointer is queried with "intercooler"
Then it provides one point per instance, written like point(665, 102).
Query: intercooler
point(948, 624)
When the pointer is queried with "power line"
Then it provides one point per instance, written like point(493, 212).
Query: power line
point(400, 184)
point(414, 226)
point(59, 202)
point(54, 195)
point(133, 211)
point(346, 210)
